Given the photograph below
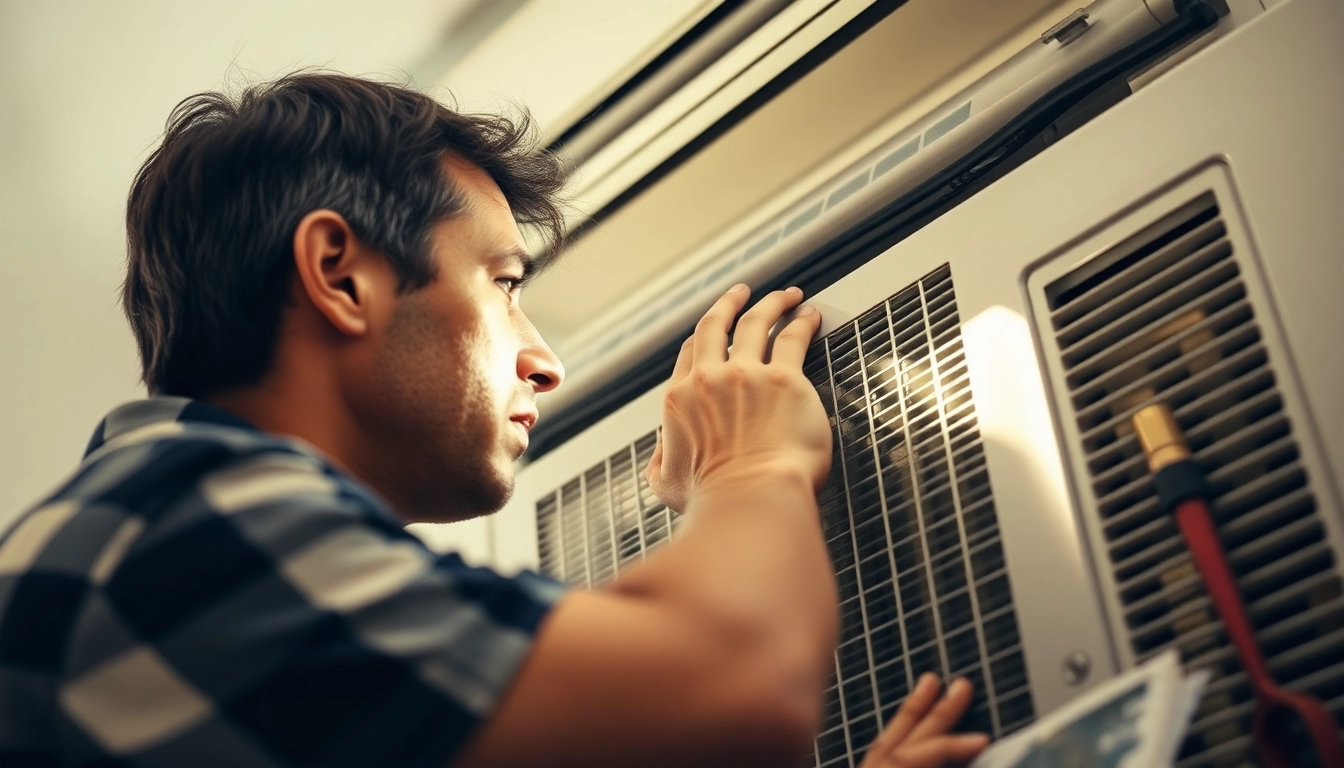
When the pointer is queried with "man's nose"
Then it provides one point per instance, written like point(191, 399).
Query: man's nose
point(537, 363)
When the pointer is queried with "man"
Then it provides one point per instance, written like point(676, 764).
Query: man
point(323, 280)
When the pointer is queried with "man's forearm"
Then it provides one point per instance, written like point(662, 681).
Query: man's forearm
point(750, 560)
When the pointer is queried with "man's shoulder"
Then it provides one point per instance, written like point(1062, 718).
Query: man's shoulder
point(168, 476)
point(237, 577)
point(152, 465)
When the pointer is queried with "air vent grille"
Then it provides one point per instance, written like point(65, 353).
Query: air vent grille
point(1165, 317)
point(908, 516)
point(910, 523)
point(602, 520)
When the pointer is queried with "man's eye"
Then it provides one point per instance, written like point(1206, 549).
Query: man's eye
point(510, 284)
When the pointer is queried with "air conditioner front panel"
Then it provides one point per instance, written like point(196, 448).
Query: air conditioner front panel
point(1249, 110)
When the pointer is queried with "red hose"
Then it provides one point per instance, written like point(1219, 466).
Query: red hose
point(1274, 706)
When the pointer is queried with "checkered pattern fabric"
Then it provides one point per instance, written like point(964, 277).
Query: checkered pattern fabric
point(199, 593)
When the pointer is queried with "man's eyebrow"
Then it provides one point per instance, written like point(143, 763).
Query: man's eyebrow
point(520, 257)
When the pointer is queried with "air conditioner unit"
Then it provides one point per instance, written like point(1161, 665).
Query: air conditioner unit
point(1142, 206)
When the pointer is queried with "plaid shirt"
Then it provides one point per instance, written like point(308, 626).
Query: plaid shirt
point(199, 593)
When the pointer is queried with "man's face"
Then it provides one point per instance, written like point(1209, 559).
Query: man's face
point(448, 395)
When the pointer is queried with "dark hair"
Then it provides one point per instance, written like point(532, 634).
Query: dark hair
point(212, 213)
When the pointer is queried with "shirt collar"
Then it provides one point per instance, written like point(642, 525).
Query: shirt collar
point(142, 413)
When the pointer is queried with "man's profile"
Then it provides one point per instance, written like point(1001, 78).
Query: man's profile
point(324, 280)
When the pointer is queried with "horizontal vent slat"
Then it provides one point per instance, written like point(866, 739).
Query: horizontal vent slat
point(1147, 273)
point(1177, 394)
point(1304, 529)
point(1331, 611)
point(1180, 335)
point(1210, 289)
point(1240, 402)
point(1138, 498)
point(1128, 262)
point(1163, 530)
point(1254, 580)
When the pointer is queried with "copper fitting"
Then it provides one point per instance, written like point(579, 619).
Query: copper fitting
point(1160, 436)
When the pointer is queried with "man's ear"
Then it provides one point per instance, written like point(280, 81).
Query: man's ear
point(336, 272)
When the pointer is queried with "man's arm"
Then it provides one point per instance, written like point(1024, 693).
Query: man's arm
point(716, 650)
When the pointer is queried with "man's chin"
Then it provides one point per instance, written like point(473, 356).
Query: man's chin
point(484, 497)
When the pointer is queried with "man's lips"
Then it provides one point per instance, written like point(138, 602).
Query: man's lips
point(527, 419)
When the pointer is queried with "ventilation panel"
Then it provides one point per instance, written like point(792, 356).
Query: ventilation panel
point(603, 520)
point(908, 516)
point(1166, 316)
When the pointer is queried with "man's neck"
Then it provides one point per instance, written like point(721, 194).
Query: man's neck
point(308, 411)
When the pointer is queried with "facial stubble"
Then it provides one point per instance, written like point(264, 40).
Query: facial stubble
point(438, 419)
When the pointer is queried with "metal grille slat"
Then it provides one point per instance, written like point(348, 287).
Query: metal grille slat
point(1192, 216)
point(1094, 379)
point(1165, 316)
point(550, 555)
point(1150, 280)
point(1248, 583)
point(1271, 634)
point(1213, 287)
point(1222, 477)
point(1100, 421)
point(1236, 400)
point(1280, 664)
point(1237, 559)
point(1237, 687)
point(1285, 508)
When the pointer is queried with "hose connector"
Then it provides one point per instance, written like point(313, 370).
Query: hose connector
point(1160, 436)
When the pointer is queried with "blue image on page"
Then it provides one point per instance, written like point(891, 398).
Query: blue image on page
point(1102, 738)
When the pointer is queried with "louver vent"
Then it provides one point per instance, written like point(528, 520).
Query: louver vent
point(603, 519)
point(1165, 317)
point(908, 517)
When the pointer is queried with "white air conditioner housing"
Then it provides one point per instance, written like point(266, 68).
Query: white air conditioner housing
point(989, 513)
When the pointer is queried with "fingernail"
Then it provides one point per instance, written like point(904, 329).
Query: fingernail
point(804, 311)
point(795, 290)
point(974, 739)
point(740, 287)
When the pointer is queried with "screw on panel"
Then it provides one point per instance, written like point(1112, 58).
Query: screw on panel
point(1077, 667)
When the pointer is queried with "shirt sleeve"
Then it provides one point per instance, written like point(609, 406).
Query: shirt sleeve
point(277, 615)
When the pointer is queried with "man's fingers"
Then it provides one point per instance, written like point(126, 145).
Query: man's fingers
point(752, 336)
point(684, 360)
point(711, 333)
point(653, 471)
point(792, 341)
point(946, 712)
point(912, 710)
point(943, 750)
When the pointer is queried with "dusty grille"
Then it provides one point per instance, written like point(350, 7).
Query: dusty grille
point(908, 516)
point(603, 519)
point(1165, 317)
point(910, 524)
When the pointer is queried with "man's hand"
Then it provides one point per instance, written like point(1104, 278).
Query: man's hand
point(748, 414)
point(917, 737)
